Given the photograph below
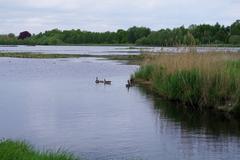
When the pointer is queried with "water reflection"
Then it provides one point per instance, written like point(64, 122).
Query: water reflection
point(197, 135)
point(193, 121)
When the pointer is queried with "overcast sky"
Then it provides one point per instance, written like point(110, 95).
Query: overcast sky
point(102, 15)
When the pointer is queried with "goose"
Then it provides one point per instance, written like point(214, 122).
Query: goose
point(107, 82)
point(128, 85)
point(98, 81)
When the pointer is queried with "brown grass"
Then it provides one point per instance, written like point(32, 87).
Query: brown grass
point(207, 62)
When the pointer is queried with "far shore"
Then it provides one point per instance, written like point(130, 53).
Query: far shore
point(127, 45)
point(131, 59)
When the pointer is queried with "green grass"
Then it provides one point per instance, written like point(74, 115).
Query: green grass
point(199, 81)
point(54, 56)
point(39, 55)
point(145, 72)
point(19, 150)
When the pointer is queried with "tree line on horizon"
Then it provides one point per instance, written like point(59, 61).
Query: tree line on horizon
point(203, 34)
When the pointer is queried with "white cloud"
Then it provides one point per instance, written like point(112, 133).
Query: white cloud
point(36, 16)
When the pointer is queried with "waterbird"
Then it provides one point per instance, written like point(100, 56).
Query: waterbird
point(107, 82)
point(128, 85)
point(98, 81)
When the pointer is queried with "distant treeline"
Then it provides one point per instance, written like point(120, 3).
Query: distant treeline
point(203, 34)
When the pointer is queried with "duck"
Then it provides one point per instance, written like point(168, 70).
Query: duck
point(98, 81)
point(107, 82)
point(128, 85)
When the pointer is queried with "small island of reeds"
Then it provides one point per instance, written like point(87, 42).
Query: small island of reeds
point(198, 80)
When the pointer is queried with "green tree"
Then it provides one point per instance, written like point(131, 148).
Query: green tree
point(135, 33)
point(189, 39)
point(234, 39)
point(235, 28)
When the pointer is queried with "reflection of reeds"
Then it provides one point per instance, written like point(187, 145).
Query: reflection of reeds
point(20, 150)
point(201, 80)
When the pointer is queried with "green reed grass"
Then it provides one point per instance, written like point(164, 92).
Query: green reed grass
point(19, 150)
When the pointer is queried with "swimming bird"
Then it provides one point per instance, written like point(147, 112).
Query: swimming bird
point(107, 82)
point(98, 81)
point(128, 85)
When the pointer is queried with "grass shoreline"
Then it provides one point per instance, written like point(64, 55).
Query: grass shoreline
point(20, 150)
point(199, 81)
point(130, 57)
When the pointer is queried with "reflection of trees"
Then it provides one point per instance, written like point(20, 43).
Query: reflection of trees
point(208, 122)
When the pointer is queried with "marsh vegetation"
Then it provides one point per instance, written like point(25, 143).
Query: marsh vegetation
point(209, 80)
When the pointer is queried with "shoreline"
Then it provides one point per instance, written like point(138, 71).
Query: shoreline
point(219, 111)
point(56, 56)
point(128, 45)
point(201, 82)
point(12, 149)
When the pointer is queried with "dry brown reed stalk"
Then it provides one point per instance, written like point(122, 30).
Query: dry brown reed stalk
point(206, 62)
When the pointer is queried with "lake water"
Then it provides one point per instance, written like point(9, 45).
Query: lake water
point(103, 50)
point(54, 103)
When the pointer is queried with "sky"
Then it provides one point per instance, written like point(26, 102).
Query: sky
point(109, 15)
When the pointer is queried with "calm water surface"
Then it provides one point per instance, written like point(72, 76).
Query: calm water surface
point(55, 103)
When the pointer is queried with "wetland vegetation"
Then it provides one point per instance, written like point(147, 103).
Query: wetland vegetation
point(201, 81)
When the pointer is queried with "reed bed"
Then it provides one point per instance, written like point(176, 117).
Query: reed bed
point(199, 80)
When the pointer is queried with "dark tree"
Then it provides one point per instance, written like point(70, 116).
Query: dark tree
point(24, 35)
point(193, 35)
point(135, 33)
point(235, 28)
point(11, 35)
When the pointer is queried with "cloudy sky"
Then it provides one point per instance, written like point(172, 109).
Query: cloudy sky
point(102, 15)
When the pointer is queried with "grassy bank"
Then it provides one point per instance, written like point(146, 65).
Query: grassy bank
point(200, 81)
point(134, 58)
point(18, 150)
point(39, 55)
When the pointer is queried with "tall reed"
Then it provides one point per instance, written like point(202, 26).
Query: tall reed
point(198, 80)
